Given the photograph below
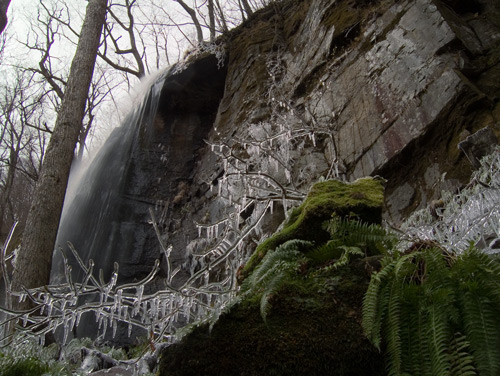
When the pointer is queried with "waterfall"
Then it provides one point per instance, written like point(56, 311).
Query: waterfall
point(147, 164)
point(92, 218)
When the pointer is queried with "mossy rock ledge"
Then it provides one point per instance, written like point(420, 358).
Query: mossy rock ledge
point(314, 325)
point(362, 199)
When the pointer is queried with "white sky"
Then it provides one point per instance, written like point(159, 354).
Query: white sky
point(23, 19)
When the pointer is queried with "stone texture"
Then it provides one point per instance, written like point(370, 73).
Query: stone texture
point(479, 145)
point(380, 79)
point(387, 88)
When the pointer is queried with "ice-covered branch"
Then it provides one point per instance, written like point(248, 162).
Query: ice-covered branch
point(470, 217)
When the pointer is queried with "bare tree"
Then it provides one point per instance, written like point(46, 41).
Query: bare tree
point(22, 145)
point(194, 18)
point(116, 11)
point(55, 23)
point(33, 261)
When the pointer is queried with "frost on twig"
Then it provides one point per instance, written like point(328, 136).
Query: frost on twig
point(260, 175)
point(469, 217)
point(61, 305)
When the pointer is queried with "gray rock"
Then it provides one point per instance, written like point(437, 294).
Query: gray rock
point(478, 145)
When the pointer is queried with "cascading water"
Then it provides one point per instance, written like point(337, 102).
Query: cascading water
point(92, 219)
point(143, 175)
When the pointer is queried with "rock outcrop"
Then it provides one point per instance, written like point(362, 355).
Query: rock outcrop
point(348, 89)
point(342, 89)
point(308, 89)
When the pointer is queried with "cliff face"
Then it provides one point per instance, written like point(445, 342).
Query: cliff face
point(391, 88)
point(345, 89)
point(335, 89)
point(308, 89)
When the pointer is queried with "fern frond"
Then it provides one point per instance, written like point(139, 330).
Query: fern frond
point(374, 303)
point(438, 338)
point(417, 357)
point(288, 252)
point(276, 269)
point(346, 255)
point(325, 252)
point(481, 326)
point(272, 287)
point(355, 233)
point(461, 360)
point(392, 328)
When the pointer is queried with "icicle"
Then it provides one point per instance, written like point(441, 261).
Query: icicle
point(144, 311)
point(129, 332)
point(65, 335)
point(78, 317)
point(104, 326)
point(140, 292)
point(115, 326)
point(25, 319)
point(164, 307)
point(49, 306)
point(271, 206)
point(22, 297)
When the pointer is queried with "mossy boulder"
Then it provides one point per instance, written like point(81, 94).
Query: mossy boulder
point(314, 328)
point(314, 324)
point(361, 199)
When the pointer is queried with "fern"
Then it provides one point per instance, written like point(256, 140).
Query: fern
point(374, 300)
point(481, 328)
point(346, 255)
point(276, 269)
point(357, 233)
point(419, 300)
point(462, 362)
point(326, 252)
point(438, 334)
point(350, 238)
point(393, 328)
point(477, 277)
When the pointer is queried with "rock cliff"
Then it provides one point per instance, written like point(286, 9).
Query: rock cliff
point(334, 89)
point(303, 90)
point(343, 89)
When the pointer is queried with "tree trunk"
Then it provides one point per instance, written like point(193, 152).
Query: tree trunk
point(9, 183)
point(4, 5)
point(211, 18)
point(33, 261)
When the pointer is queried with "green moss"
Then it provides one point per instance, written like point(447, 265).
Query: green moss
point(313, 329)
point(23, 367)
point(341, 16)
point(362, 198)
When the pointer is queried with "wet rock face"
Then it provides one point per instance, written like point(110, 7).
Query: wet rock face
point(390, 88)
point(161, 168)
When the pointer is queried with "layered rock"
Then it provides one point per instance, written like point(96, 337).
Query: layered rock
point(341, 89)
point(385, 82)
